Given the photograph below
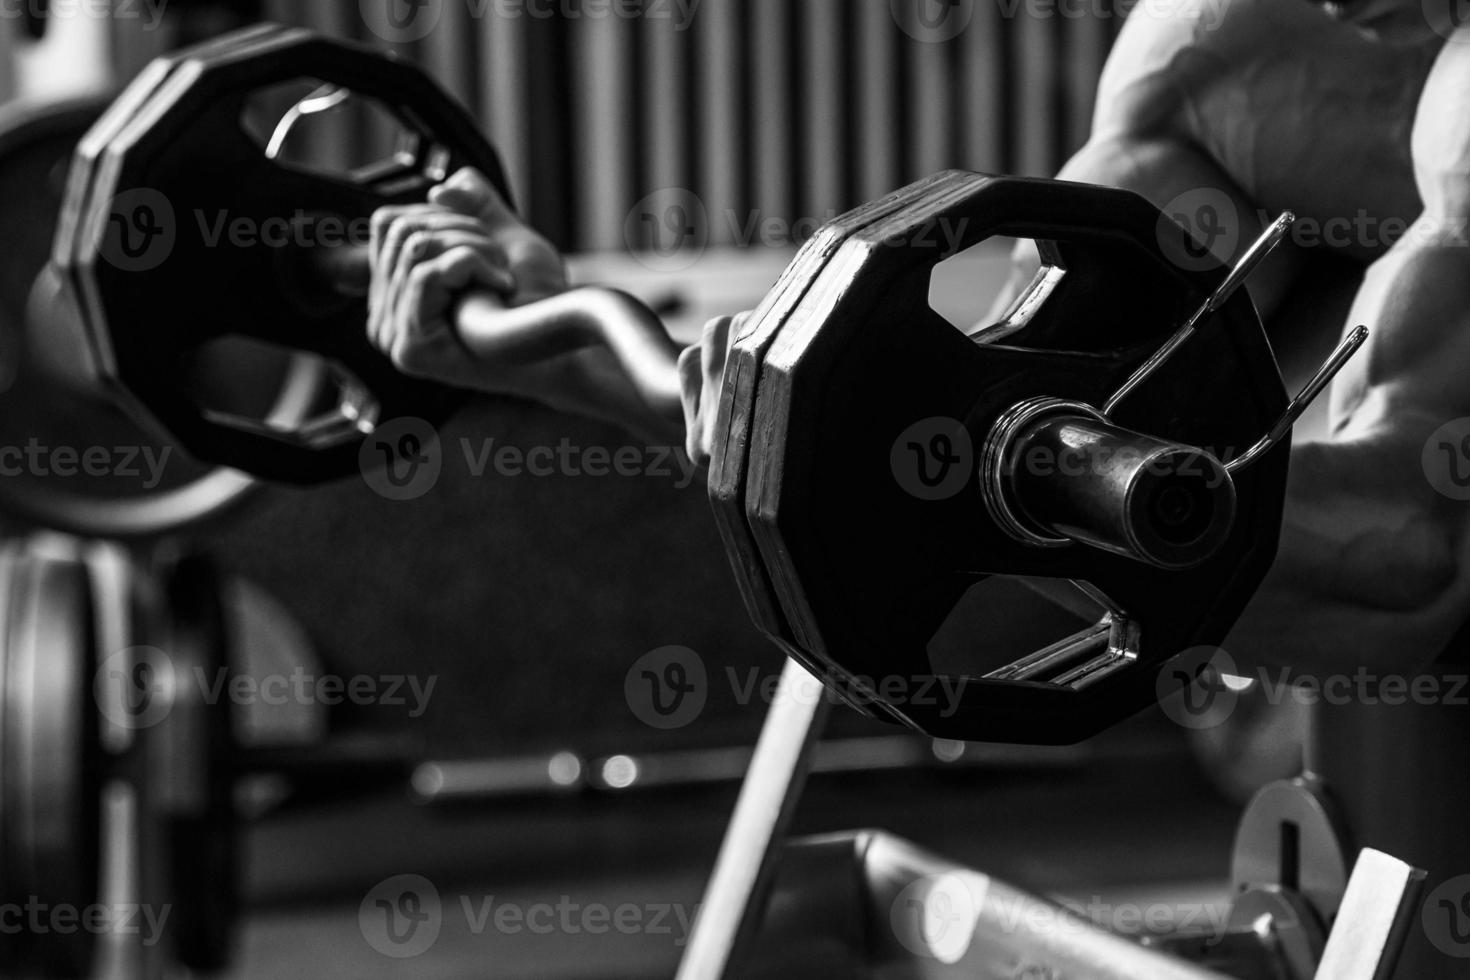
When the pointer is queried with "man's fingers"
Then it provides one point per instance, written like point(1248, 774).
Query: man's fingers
point(691, 383)
point(430, 289)
point(715, 353)
point(701, 382)
point(414, 238)
point(425, 246)
point(381, 224)
point(394, 317)
point(391, 227)
point(419, 223)
point(469, 192)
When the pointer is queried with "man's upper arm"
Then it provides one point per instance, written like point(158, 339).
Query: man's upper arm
point(1416, 299)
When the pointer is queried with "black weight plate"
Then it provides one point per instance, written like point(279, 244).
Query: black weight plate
point(189, 151)
point(50, 754)
point(46, 426)
point(867, 571)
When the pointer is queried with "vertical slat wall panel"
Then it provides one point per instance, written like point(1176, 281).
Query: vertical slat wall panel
point(284, 11)
point(133, 47)
point(716, 30)
point(506, 100)
point(447, 49)
point(877, 144)
point(603, 90)
point(930, 96)
point(552, 151)
point(823, 87)
point(1033, 94)
point(328, 18)
point(982, 92)
point(665, 86)
point(775, 110)
point(1088, 40)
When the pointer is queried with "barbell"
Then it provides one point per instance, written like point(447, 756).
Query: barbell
point(872, 464)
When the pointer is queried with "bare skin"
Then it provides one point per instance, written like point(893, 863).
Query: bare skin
point(1356, 120)
point(1281, 109)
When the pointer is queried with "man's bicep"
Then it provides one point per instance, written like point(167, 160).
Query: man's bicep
point(1440, 142)
point(1416, 298)
point(1415, 371)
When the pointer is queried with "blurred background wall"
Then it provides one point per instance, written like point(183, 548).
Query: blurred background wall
point(787, 108)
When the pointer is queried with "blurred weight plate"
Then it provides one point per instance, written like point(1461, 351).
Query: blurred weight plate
point(50, 755)
point(67, 461)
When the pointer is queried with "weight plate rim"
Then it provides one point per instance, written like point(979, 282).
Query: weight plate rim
point(730, 462)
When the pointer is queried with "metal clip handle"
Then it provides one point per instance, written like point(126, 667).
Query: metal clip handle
point(1350, 345)
point(1232, 282)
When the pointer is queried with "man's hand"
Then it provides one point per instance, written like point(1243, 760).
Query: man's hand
point(426, 256)
point(701, 382)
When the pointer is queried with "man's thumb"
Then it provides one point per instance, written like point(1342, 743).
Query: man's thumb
point(469, 193)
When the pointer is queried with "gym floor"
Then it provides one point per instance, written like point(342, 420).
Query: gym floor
point(1084, 826)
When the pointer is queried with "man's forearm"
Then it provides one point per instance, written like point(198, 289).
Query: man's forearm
point(1368, 567)
point(1373, 558)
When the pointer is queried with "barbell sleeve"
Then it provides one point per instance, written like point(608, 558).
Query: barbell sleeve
point(1057, 472)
